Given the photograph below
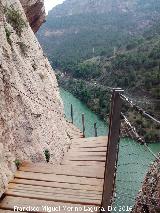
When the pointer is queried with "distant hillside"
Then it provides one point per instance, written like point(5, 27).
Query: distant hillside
point(79, 29)
point(107, 43)
point(136, 70)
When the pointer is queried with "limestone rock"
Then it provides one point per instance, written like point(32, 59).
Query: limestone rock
point(31, 110)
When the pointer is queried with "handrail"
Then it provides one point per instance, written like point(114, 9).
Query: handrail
point(132, 128)
point(139, 138)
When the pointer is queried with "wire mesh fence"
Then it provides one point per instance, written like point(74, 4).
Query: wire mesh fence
point(134, 160)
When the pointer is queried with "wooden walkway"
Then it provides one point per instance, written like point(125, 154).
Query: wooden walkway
point(73, 186)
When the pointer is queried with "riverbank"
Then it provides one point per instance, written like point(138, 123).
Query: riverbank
point(97, 98)
point(90, 117)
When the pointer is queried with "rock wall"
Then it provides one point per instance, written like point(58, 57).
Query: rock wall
point(148, 200)
point(31, 110)
point(35, 12)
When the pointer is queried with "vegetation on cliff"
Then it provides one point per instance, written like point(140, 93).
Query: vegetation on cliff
point(107, 44)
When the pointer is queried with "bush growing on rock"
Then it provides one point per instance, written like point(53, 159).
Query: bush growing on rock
point(14, 17)
point(17, 163)
point(47, 155)
point(8, 34)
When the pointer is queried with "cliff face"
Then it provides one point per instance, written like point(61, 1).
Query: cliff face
point(148, 200)
point(31, 111)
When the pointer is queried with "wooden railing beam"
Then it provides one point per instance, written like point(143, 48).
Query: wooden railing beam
point(95, 129)
point(83, 125)
point(72, 113)
point(112, 149)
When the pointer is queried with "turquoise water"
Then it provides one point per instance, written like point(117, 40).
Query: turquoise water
point(134, 159)
point(78, 109)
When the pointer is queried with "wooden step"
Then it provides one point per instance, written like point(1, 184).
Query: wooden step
point(84, 163)
point(78, 171)
point(85, 158)
point(59, 178)
point(57, 185)
point(86, 149)
point(100, 139)
point(81, 153)
point(78, 192)
point(89, 145)
point(54, 197)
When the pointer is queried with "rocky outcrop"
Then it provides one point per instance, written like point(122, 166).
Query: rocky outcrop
point(31, 110)
point(35, 12)
point(148, 200)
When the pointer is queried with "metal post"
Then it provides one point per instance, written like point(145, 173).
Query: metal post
point(83, 125)
point(95, 128)
point(72, 113)
point(112, 149)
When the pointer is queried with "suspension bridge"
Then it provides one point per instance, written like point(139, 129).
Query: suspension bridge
point(90, 177)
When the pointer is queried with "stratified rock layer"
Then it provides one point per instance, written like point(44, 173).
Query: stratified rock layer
point(31, 111)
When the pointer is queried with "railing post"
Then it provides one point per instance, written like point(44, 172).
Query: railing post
point(72, 113)
point(112, 149)
point(95, 128)
point(83, 125)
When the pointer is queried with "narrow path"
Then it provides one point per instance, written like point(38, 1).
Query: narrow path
point(73, 186)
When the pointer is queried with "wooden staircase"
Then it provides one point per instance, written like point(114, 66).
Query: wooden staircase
point(76, 184)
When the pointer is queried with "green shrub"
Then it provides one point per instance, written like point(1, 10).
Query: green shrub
point(152, 135)
point(17, 163)
point(14, 17)
point(8, 34)
point(47, 155)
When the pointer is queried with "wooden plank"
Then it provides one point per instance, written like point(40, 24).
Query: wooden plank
point(79, 171)
point(50, 167)
point(53, 197)
point(91, 139)
point(86, 149)
point(57, 185)
point(85, 158)
point(9, 202)
point(68, 196)
point(87, 145)
point(83, 163)
point(78, 192)
point(80, 153)
point(58, 178)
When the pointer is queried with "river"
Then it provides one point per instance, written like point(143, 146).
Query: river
point(134, 159)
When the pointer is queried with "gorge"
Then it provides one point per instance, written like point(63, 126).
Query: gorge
point(96, 45)
point(32, 118)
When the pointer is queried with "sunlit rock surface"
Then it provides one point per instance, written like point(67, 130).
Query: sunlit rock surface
point(31, 110)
